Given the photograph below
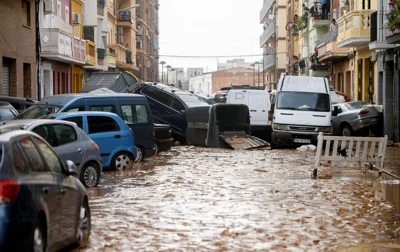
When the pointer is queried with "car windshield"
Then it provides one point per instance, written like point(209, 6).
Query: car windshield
point(355, 105)
point(303, 101)
point(38, 111)
point(192, 100)
point(7, 114)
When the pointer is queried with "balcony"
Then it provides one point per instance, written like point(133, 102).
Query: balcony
point(125, 19)
point(90, 53)
point(319, 23)
point(111, 60)
point(60, 46)
point(101, 53)
point(329, 51)
point(123, 58)
point(354, 29)
point(264, 11)
point(268, 32)
point(380, 37)
point(269, 61)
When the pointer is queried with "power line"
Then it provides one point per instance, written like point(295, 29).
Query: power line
point(219, 56)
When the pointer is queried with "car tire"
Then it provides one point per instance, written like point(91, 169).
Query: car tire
point(38, 238)
point(157, 148)
point(139, 154)
point(347, 131)
point(90, 175)
point(122, 160)
point(84, 224)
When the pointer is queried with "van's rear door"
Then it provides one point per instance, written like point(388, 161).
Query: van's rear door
point(259, 105)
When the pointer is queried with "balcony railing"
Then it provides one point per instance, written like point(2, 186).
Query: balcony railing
point(78, 48)
point(330, 51)
point(90, 52)
point(269, 61)
point(354, 29)
point(266, 7)
point(268, 32)
point(326, 38)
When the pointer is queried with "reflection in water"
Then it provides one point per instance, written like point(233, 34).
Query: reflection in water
point(213, 199)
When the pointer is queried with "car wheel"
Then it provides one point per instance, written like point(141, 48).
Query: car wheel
point(122, 160)
point(39, 240)
point(90, 175)
point(156, 147)
point(139, 154)
point(84, 224)
point(346, 131)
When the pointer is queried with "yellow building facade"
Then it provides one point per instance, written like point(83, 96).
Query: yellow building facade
point(77, 28)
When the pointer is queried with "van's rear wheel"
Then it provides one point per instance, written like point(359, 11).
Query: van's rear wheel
point(139, 154)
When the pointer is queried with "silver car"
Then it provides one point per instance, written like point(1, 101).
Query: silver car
point(70, 143)
point(355, 118)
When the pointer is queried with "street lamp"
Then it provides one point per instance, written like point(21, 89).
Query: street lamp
point(131, 7)
point(254, 78)
point(168, 67)
point(162, 71)
point(258, 72)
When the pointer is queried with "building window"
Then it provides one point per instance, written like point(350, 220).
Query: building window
point(26, 13)
point(59, 8)
point(67, 15)
point(88, 33)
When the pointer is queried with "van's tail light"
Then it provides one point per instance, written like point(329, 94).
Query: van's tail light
point(154, 133)
point(269, 115)
point(169, 133)
point(8, 191)
point(133, 91)
point(363, 112)
point(133, 133)
point(96, 146)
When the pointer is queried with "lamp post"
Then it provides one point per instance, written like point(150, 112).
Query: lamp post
point(162, 71)
point(168, 67)
point(254, 78)
point(258, 72)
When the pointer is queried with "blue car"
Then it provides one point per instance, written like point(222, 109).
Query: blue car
point(43, 207)
point(113, 136)
point(169, 105)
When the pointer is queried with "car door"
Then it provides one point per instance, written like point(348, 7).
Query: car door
point(45, 186)
point(69, 146)
point(70, 202)
point(105, 132)
point(336, 120)
point(136, 116)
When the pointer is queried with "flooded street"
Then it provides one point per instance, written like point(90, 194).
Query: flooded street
point(213, 199)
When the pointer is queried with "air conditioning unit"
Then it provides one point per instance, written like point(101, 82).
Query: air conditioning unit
point(48, 7)
point(77, 18)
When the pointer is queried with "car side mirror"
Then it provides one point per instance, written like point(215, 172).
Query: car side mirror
point(71, 168)
point(335, 111)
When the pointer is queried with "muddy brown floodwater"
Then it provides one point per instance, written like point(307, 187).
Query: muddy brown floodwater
point(213, 199)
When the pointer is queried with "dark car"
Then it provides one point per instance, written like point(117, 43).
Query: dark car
point(19, 103)
point(163, 139)
point(169, 104)
point(7, 111)
point(222, 94)
point(43, 207)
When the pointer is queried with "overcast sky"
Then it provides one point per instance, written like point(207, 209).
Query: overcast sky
point(208, 28)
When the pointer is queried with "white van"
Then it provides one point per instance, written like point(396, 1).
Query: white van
point(301, 110)
point(259, 105)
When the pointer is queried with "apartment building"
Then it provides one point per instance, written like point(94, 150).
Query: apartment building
point(18, 48)
point(147, 43)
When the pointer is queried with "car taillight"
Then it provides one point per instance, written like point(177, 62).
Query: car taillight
point(96, 146)
point(269, 115)
point(363, 112)
point(133, 133)
point(133, 92)
point(169, 133)
point(8, 191)
point(154, 133)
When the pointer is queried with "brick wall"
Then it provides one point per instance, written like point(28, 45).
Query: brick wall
point(226, 79)
point(17, 44)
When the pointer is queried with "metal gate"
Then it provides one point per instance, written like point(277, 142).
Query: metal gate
point(5, 79)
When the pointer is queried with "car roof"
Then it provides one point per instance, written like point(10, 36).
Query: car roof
point(12, 98)
point(5, 104)
point(80, 113)
point(29, 122)
point(9, 134)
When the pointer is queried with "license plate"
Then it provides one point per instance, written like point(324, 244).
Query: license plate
point(299, 140)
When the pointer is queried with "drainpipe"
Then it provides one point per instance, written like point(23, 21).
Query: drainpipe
point(38, 47)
